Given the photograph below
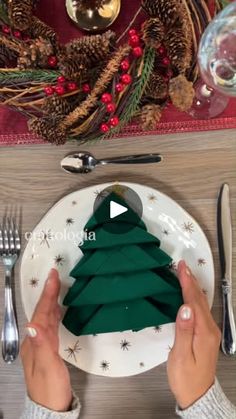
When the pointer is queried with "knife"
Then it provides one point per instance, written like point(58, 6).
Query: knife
point(225, 242)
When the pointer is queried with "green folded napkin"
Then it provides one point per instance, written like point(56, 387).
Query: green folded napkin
point(123, 282)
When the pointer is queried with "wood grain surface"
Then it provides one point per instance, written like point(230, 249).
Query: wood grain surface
point(194, 167)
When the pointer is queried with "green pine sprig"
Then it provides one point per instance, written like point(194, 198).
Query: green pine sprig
point(225, 3)
point(3, 12)
point(133, 102)
point(27, 76)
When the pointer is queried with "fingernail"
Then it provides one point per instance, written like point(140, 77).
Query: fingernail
point(181, 265)
point(49, 277)
point(188, 272)
point(186, 313)
point(31, 332)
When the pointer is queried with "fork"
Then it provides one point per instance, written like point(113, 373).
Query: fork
point(10, 246)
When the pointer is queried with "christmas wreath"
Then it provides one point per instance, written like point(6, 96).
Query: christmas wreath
point(93, 86)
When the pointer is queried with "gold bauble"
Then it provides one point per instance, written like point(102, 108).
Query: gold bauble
point(93, 20)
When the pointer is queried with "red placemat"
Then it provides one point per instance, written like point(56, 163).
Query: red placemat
point(13, 127)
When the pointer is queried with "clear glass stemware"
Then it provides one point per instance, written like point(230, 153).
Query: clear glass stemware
point(217, 62)
point(217, 52)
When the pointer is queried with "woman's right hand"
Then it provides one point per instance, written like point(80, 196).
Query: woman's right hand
point(46, 375)
point(192, 362)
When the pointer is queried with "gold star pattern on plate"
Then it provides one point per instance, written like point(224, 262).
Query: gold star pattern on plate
point(157, 329)
point(141, 364)
point(173, 266)
point(45, 237)
point(73, 350)
point(188, 227)
point(165, 232)
point(152, 198)
point(100, 194)
point(105, 365)
point(69, 221)
point(59, 260)
point(201, 262)
point(73, 203)
point(34, 282)
point(125, 345)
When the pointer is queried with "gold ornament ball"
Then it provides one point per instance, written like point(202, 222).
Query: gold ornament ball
point(93, 20)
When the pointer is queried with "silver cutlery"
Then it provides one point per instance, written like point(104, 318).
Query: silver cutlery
point(84, 162)
point(10, 246)
point(228, 343)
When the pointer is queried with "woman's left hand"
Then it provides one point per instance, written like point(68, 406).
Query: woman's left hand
point(46, 375)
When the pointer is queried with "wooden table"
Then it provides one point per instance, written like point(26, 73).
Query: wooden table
point(195, 166)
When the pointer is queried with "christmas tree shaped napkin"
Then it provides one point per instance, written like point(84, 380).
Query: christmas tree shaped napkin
point(123, 281)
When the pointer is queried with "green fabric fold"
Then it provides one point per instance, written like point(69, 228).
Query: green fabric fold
point(123, 281)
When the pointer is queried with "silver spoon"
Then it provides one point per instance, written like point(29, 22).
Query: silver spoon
point(84, 162)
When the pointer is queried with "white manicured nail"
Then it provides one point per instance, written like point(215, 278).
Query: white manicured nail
point(188, 272)
point(186, 313)
point(31, 332)
point(48, 278)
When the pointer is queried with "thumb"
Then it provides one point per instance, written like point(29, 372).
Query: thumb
point(183, 345)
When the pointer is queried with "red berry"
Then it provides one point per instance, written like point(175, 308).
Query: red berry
point(49, 90)
point(60, 90)
point(166, 61)
point(134, 41)
point(111, 107)
point(161, 50)
point(119, 87)
point(104, 128)
point(6, 29)
point(61, 79)
point(72, 86)
point(126, 79)
point(114, 121)
point(125, 65)
point(17, 34)
point(138, 52)
point(106, 98)
point(132, 32)
point(86, 88)
point(52, 61)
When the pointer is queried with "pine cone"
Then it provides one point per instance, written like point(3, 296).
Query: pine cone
point(72, 68)
point(6, 57)
point(83, 5)
point(156, 87)
point(40, 29)
point(178, 47)
point(91, 49)
point(181, 92)
point(20, 13)
point(153, 32)
point(56, 105)
point(48, 129)
point(150, 116)
point(175, 18)
point(166, 10)
point(34, 55)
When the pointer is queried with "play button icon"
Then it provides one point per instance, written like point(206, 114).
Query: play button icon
point(117, 204)
point(116, 209)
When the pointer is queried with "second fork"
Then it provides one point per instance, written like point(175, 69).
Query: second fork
point(9, 251)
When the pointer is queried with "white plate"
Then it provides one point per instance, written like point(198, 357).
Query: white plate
point(53, 245)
